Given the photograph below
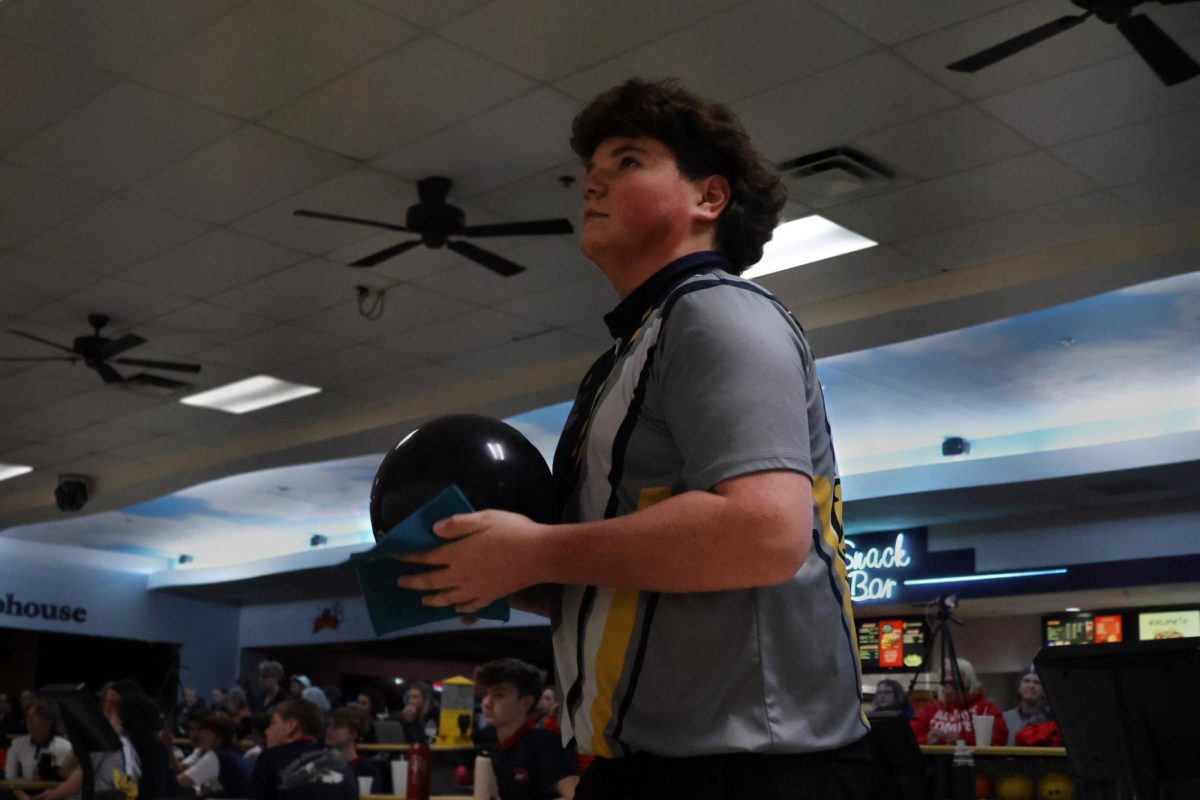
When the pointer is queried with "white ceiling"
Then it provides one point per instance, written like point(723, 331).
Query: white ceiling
point(152, 152)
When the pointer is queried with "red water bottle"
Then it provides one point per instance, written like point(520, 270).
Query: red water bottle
point(420, 766)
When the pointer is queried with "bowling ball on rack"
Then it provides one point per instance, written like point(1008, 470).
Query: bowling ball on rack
point(1055, 786)
point(493, 464)
point(984, 789)
point(1014, 786)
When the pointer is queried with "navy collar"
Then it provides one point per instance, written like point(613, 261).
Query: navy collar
point(623, 320)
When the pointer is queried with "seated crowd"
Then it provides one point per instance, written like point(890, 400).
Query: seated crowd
point(285, 742)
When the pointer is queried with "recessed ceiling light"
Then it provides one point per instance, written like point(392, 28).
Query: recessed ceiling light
point(803, 241)
point(250, 395)
point(12, 470)
point(1072, 610)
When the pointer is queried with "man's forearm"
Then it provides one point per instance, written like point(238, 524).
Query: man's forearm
point(694, 542)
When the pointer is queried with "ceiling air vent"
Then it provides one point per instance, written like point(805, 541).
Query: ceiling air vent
point(1135, 486)
point(834, 176)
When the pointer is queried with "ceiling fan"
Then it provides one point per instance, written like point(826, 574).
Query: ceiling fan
point(100, 353)
point(1168, 60)
point(434, 220)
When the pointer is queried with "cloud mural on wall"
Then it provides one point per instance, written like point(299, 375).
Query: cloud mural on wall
point(1109, 368)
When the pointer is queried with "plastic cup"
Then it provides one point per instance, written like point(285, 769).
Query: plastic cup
point(364, 785)
point(983, 729)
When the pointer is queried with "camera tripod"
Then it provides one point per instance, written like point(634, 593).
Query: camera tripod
point(942, 635)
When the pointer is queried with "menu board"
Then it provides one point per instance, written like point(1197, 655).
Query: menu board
point(891, 644)
point(1076, 629)
point(1168, 624)
point(1108, 628)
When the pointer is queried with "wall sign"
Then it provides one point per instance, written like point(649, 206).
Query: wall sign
point(874, 570)
point(37, 609)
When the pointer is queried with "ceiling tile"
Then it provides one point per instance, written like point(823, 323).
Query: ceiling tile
point(903, 19)
point(116, 35)
point(990, 191)
point(104, 403)
point(407, 384)
point(37, 425)
point(361, 192)
point(590, 297)
point(114, 234)
point(50, 88)
point(405, 307)
point(426, 13)
point(1149, 150)
point(852, 273)
point(735, 53)
point(513, 141)
point(299, 290)
point(540, 196)
point(269, 52)
point(154, 448)
point(200, 326)
point(1048, 226)
point(458, 336)
point(421, 88)
point(272, 349)
point(550, 40)
point(30, 283)
point(1163, 198)
point(29, 390)
point(40, 456)
point(944, 143)
point(125, 303)
point(315, 409)
point(865, 95)
point(211, 264)
point(1093, 100)
point(241, 173)
point(530, 352)
point(337, 370)
point(166, 418)
point(33, 202)
point(121, 136)
point(98, 438)
point(594, 330)
point(230, 429)
point(549, 262)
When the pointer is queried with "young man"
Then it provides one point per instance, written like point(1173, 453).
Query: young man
point(529, 762)
point(294, 765)
point(347, 727)
point(1031, 706)
point(39, 755)
point(703, 632)
point(218, 770)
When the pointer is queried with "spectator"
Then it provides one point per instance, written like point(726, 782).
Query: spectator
point(1031, 704)
point(316, 696)
point(372, 704)
point(418, 712)
point(40, 754)
point(237, 706)
point(219, 771)
point(890, 696)
point(297, 684)
point(948, 719)
point(547, 709)
point(347, 728)
point(254, 729)
point(191, 705)
point(334, 694)
point(529, 761)
point(141, 722)
point(270, 680)
point(294, 765)
point(216, 698)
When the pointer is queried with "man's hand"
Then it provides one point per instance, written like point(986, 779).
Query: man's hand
point(492, 554)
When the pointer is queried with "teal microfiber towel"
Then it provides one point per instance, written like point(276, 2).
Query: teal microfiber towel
point(392, 608)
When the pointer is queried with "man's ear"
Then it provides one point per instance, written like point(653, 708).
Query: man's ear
point(527, 702)
point(713, 195)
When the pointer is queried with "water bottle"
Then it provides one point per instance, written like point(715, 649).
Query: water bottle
point(962, 773)
point(420, 765)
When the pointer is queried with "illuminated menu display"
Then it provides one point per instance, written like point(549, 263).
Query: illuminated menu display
point(1108, 628)
point(1168, 624)
point(891, 644)
point(1078, 629)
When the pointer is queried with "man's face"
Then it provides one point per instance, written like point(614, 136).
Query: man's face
point(364, 703)
point(37, 725)
point(885, 696)
point(194, 732)
point(280, 731)
point(26, 700)
point(110, 701)
point(503, 706)
point(267, 682)
point(547, 702)
point(337, 736)
point(205, 739)
point(189, 696)
point(1030, 688)
point(635, 201)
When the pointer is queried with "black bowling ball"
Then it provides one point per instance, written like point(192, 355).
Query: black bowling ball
point(490, 461)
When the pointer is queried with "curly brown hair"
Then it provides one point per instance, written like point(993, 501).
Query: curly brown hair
point(706, 138)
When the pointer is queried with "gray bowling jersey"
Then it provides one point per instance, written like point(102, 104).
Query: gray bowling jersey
point(713, 379)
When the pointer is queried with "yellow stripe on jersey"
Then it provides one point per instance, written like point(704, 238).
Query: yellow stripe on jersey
point(829, 508)
point(610, 662)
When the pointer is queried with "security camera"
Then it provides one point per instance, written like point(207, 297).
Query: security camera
point(71, 494)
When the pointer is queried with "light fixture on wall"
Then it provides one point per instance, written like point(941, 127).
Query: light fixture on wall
point(318, 540)
point(955, 446)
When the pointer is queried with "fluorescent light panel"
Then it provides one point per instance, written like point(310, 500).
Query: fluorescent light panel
point(250, 395)
point(803, 241)
point(12, 470)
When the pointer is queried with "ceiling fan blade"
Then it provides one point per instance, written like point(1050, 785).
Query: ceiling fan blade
point(353, 220)
point(531, 228)
point(55, 345)
point(42, 358)
point(118, 346)
point(109, 374)
point(1165, 57)
point(173, 365)
point(501, 266)
point(385, 254)
point(1009, 47)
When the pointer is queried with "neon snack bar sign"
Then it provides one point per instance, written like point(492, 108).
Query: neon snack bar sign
point(862, 566)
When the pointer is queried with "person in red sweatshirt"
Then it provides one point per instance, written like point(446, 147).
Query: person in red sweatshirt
point(948, 719)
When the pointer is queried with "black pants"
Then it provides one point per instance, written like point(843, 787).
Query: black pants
point(842, 774)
